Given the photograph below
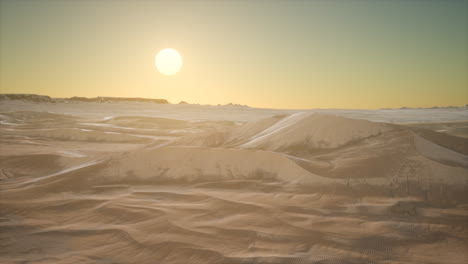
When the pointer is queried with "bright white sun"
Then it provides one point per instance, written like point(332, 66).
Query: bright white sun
point(168, 61)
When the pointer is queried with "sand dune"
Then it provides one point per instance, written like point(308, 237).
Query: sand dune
point(299, 131)
point(292, 188)
point(76, 134)
point(312, 131)
point(34, 165)
point(459, 129)
point(208, 164)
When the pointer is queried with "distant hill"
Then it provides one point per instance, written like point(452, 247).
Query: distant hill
point(100, 99)
point(27, 97)
point(433, 107)
point(118, 99)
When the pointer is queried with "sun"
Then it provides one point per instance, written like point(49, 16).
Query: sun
point(168, 61)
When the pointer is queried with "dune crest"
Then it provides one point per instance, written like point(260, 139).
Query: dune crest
point(313, 131)
point(299, 131)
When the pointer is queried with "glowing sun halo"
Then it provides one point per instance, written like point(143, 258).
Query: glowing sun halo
point(168, 61)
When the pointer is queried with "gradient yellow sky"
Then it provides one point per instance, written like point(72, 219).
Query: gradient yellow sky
point(279, 54)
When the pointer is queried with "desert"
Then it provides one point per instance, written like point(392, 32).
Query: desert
point(233, 132)
point(141, 182)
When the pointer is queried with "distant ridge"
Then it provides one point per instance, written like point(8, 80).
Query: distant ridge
point(28, 97)
point(433, 107)
point(100, 99)
point(117, 99)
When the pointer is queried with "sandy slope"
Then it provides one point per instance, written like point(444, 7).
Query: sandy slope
point(299, 131)
point(299, 188)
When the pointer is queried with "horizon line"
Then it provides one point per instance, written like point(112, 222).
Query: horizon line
point(231, 103)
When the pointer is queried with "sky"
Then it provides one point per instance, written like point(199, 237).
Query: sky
point(360, 54)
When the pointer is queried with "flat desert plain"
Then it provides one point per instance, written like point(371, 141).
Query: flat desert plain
point(148, 183)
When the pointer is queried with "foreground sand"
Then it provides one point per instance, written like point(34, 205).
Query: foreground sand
point(285, 187)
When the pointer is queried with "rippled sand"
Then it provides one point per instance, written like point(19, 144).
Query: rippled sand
point(300, 188)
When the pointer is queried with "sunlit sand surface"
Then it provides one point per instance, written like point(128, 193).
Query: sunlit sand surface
point(147, 183)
